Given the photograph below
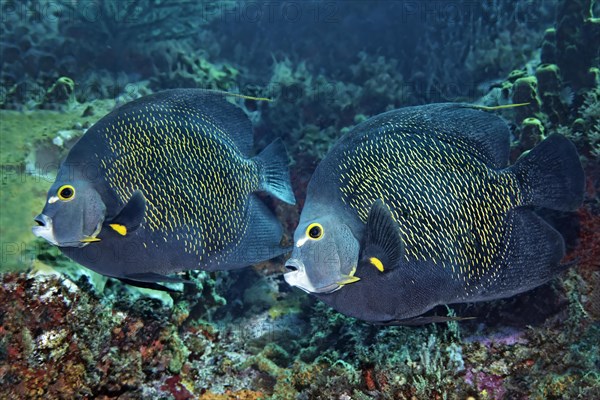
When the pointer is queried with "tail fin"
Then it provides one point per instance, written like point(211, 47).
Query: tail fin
point(273, 170)
point(551, 175)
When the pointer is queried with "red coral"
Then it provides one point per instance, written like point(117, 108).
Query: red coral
point(174, 386)
point(374, 380)
point(368, 376)
point(492, 384)
point(587, 252)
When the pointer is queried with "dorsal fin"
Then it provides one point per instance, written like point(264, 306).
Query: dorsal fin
point(213, 103)
point(481, 133)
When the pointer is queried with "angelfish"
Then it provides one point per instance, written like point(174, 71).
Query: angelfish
point(167, 183)
point(417, 207)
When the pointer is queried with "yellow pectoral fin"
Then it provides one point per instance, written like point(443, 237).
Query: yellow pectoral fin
point(89, 239)
point(347, 279)
point(120, 229)
point(376, 263)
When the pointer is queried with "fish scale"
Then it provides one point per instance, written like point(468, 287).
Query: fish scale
point(400, 157)
point(214, 148)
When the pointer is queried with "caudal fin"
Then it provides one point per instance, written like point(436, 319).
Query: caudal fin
point(274, 174)
point(551, 175)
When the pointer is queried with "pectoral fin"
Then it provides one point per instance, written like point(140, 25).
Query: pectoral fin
point(382, 244)
point(131, 215)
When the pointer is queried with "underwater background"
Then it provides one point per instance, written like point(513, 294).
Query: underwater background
point(66, 332)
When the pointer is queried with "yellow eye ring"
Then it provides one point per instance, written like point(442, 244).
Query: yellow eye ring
point(66, 193)
point(314, 231)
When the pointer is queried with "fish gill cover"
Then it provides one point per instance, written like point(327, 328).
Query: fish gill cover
point(326, 67)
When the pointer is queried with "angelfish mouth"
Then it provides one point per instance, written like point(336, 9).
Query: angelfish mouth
point(43, 229)
point(294, 266)
point(297, 277)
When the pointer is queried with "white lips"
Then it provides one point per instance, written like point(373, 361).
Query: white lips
point(300, 279)
point(45, 231)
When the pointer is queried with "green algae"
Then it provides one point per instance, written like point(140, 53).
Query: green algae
point(21, 130)
point(22, 197)
point(548, 77)
point(532, 132)
point(22, 194)
point(290, 304)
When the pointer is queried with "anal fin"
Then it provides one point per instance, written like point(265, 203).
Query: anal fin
point(149, 280)
point(423, 320)
point(155, 277)
point(148, 285)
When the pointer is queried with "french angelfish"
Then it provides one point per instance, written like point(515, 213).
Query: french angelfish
point(418, 207)
point(166, 183)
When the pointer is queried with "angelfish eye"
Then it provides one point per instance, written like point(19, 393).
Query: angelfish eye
point(66, 192)
point(314, 231)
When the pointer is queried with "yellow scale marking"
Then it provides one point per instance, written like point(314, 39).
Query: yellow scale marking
point(198, 199)
point(451, 199)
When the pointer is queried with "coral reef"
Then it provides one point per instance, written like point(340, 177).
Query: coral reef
point(576, 27)
point(50, 347)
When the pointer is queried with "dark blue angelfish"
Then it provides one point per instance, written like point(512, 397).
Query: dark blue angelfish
point(164, 184)
point(417, 207)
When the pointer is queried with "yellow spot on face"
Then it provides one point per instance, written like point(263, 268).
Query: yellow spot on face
point(120, 229)
point(377, 263)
